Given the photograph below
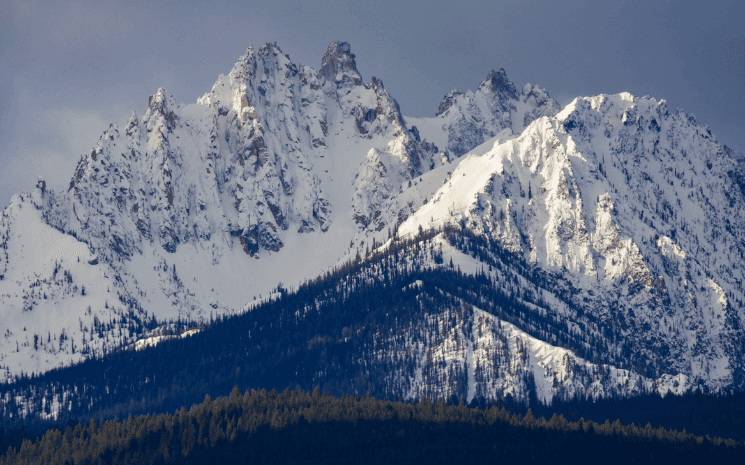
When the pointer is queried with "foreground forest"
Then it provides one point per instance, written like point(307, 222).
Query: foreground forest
point(295, 426)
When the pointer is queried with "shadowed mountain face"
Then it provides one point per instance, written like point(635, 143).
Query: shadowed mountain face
point(615, 220)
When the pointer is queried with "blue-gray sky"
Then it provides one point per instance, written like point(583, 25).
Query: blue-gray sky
point(67, 69)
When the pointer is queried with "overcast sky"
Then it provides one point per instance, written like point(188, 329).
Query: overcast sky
point(67, 69)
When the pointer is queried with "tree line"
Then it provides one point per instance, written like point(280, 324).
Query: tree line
point(259, 426)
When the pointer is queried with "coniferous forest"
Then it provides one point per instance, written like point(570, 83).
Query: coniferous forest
point(296, 426)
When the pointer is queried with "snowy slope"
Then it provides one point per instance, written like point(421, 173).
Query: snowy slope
point(50, 282)
point(466, 352)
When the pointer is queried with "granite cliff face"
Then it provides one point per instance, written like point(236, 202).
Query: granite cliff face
point(616, 219)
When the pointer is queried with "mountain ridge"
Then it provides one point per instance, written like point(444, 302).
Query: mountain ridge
point(282, 171)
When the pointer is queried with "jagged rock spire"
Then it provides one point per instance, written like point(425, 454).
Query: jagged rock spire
point(161, 105)
point(448, 101)
point(497, 82)
point(338, 65)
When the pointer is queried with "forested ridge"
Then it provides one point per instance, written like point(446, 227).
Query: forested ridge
point(312, 336)
point(320, 336)
point(261, 426)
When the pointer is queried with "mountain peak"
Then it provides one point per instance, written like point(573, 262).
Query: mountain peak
point(243, 65)
point(270, 48)
point(471, 118)
point(338, 65)
point(498, 83)
point(161, 104)
point(247, 55)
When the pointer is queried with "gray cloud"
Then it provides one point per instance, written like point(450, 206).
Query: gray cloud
point(62, 135)
point(733, 63)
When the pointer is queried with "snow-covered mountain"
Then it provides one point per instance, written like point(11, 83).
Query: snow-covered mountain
point(466, 120)
point(198, 209)
point(634, 215)
point(614, 218)
point(277, 173)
